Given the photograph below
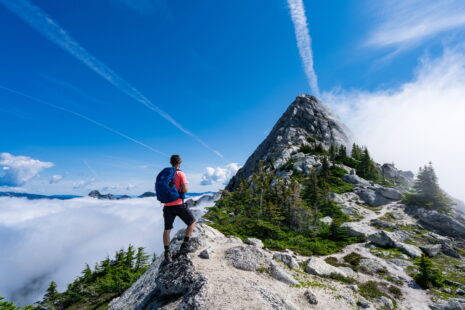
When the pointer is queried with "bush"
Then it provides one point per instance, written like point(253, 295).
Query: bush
point(332, 261)
point(353, 258)
point(370, 290)
point(395, 291)
point(341, 278)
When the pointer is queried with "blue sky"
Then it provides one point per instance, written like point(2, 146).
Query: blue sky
point(223, 70)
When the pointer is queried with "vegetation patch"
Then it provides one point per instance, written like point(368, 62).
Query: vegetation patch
point(428, 275)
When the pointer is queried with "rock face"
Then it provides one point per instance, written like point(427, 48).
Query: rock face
point(442, 223)
point(306, 116)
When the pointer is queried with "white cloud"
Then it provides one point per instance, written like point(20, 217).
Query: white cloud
point(419, 121)
point(46, 26)
point(219, 175)
point(406, 23)
point(118, 187)
point(47, 240)
point(55, 178)
point(17, 170)
point(83, 184)
point(304, 42)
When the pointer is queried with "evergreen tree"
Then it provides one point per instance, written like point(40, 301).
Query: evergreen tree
point(342, 153)
point(332, 152)
point(427, 192)
point(142, 259)
point(356, 152)
point(51, 297)
point(428, 275)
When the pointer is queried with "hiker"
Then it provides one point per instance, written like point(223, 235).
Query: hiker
point(171, 187)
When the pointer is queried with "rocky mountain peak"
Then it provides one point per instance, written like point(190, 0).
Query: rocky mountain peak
point(306, 120)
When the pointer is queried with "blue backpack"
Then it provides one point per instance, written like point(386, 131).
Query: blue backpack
point(164, 186)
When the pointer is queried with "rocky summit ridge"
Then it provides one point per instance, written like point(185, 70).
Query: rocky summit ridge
point(305, 117)
point(376, 272)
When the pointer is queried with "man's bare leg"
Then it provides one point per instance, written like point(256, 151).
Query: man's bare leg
point(190, 229)
point(166, 237)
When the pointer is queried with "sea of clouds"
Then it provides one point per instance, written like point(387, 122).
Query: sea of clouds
point(49, 239)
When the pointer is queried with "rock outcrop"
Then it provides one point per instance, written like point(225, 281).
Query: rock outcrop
point(440, 222)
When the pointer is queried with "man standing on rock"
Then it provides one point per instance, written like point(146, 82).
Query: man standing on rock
point(171, 187)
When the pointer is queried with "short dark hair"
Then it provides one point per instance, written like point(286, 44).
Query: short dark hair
point(175, 160)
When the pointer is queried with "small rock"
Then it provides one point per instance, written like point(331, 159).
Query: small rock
point(363, 303)
point(372, 265)
point(354, 229)
point(460, 291)
point(353, 287)
point(310, 297)
point(206, 253)
point(255, 242)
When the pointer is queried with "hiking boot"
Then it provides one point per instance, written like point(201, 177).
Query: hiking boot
point(184, 249)
point(168, 257)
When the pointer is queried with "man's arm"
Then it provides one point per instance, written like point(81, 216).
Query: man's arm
point(183, 181)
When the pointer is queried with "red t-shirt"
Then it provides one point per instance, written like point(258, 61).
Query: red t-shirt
point(179, 179)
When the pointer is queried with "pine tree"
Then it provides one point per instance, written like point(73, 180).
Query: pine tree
point(51, 295)
point(356, 152)
point(141, 259)
point(129, 259)
point(332, 152)
point(427, 192)
point(428, 275)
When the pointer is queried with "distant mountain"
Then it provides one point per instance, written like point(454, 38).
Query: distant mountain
point(37, 196)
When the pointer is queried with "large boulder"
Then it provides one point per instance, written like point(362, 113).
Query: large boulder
point(382, 239)
point(249, 258)
point(371, 197)
point(371, 266)
point(389, 193)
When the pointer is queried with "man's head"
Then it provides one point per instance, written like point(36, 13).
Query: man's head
point(175, 161)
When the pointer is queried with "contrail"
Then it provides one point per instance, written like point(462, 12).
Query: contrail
point(42, 23)
point(304, 42)
point(83, 117)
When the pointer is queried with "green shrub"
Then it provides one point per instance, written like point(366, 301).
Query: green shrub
point(395, 291)
point(341, 278)
point(370, 290)
point(332, 261)
point(353, 258)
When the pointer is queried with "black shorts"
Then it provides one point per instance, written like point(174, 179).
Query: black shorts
point(170, 213)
